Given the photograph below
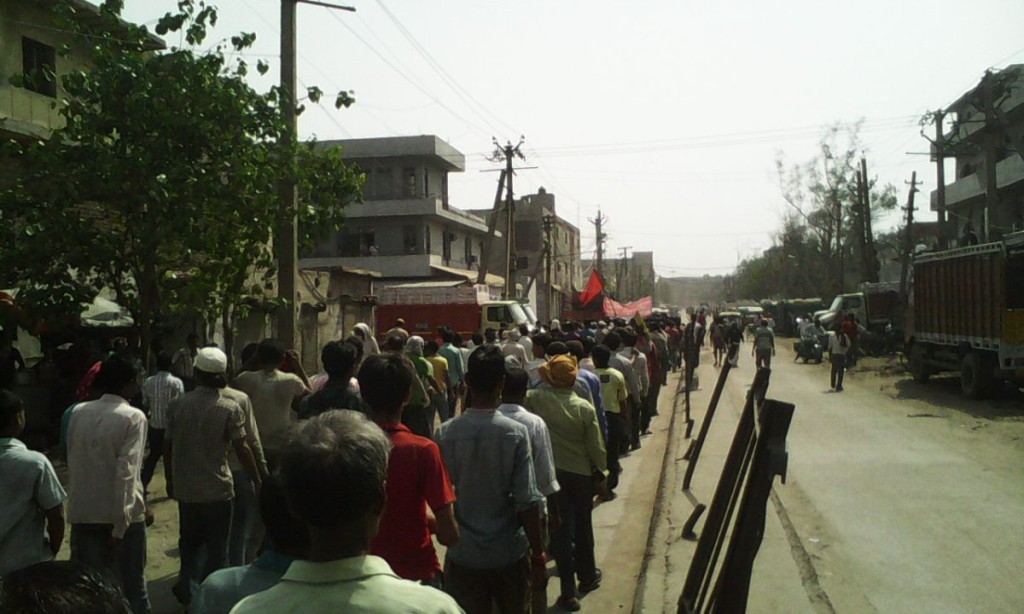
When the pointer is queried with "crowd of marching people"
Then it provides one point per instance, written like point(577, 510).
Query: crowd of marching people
point(329, 492)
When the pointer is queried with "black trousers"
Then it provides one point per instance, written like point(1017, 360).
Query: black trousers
point(838, 369)
point(615, 446)
point(156, 450)
point(573, 544)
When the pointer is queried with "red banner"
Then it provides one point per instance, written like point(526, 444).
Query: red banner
point(593, 288)
point(613, 309)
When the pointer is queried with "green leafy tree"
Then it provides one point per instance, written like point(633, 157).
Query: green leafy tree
point(818, 236)
point(162, 184)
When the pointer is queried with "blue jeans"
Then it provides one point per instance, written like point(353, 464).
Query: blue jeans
point(203, 530)
point(243, 518)
point(573, 544)
point(126, 562)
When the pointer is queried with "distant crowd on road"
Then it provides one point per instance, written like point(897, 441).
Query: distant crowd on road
point(327, 493)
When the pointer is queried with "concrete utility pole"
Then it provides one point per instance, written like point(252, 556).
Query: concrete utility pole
point(992, 143)
point(623, 274)
point(598, 222)
point(908, 240)
point(870, 255)
point(508, 153)
point(549, 227)
point(492, 225)
point(940, 177)
point(286, 237)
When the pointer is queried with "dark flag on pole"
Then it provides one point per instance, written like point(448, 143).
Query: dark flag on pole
point(593, 289)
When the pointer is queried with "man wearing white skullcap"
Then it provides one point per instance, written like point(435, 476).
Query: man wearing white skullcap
point(201, 426)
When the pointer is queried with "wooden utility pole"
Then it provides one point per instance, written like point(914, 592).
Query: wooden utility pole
point(287, 233)
point(908, 241)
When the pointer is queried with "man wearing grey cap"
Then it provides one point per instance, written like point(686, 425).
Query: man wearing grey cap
point(201, 426)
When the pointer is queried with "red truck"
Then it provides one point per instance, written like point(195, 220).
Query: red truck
point(967, 315)
point(465, 309)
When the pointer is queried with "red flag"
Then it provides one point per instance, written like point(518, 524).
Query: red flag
point(593, 289)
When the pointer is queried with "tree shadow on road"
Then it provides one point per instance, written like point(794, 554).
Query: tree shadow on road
point(944, 392)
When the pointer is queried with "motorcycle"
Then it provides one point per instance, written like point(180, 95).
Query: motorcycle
point(810, 347)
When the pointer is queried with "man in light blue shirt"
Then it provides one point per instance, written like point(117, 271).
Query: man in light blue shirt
point(288, 541)
point(499, 558)
point(32, 513)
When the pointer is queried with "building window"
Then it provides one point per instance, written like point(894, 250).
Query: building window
point(426, 183)
point(358, 243)
point(39, 67)
point(382, 186)
point(426, 240)
point(409, 236)
point(469, 250)
point(369, 188)
point(348, 244)
point(410, 181)
point(444, 190)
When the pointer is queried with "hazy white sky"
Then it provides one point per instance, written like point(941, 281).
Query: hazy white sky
point(666, 114)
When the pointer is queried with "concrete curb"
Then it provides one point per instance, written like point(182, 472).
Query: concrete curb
point(662, 498)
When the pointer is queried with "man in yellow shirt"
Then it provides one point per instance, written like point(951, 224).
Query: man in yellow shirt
point(441, 378)
point(614, 394)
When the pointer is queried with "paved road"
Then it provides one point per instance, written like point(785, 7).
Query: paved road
point(899, 498)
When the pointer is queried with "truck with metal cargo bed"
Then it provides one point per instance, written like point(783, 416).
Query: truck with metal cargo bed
point(967, 315)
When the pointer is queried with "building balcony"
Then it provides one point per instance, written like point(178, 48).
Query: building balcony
point(408, 265)
point(415, 207)
point(971, 189)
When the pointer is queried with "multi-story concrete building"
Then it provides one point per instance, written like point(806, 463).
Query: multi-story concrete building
point(548, 285)
point(405, 228)
point(29, 39)
point(629, 278)
point(987, 142)
point(684, 292)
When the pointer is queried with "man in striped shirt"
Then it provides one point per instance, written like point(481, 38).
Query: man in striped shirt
point(157, 393)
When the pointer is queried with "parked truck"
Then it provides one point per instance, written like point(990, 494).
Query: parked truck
point(876, 307)
point(967, 315)
point(465, 309)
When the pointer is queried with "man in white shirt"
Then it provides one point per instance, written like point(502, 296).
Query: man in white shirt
point(524, 339)
point(838, 346)
point(621, 361)
point(157, 393)
point(274, 395)
point(106, 507)
point(511, 348)
point(512, 396)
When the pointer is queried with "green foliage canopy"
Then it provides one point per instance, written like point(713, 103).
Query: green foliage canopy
point(162, 183)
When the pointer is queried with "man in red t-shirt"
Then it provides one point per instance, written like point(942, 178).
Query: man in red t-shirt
point(850, 328)
point(420, 498)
